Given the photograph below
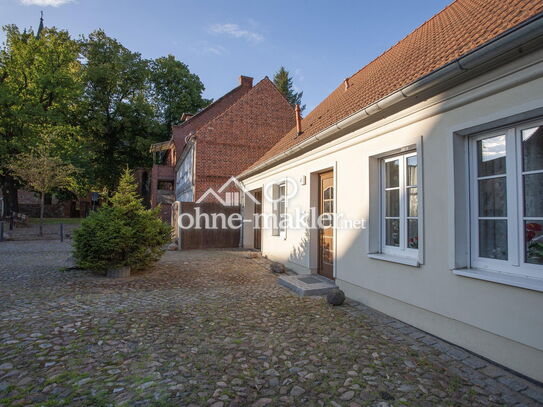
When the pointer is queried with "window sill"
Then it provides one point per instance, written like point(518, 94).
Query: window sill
point(408, 261)
point(529, 283)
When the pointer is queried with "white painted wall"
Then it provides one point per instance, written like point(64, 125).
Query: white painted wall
point(498, 321)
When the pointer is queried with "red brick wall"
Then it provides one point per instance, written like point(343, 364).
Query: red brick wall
point(219, 106)
point(237, 138)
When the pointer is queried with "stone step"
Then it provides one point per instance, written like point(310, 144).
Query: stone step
point(307, 284)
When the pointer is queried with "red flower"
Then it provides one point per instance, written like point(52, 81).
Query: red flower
point(535, 227)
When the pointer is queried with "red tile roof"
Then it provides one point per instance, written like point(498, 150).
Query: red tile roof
point(456, 30)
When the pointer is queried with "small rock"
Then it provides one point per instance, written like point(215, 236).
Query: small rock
point(6, 366)
point(277, 268)
point(297, 391)
point(348, 395)
point(262, 402)
point(172, 247)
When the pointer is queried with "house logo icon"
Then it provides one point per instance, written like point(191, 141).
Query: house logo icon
point(231, 198)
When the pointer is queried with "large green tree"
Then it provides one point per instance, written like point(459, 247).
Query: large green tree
point(175, 90)
point(116, 115)
point(284, 83)
point(39, 91)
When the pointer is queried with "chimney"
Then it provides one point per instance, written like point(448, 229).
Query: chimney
point(346, 83)
point(246, 81)
point(298, 120)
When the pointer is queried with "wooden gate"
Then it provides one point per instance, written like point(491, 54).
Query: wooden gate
point(205, 237)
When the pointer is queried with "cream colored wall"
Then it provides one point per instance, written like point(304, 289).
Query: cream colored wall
point(501, 322)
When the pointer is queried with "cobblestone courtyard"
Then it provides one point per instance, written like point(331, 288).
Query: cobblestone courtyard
point(213, 328)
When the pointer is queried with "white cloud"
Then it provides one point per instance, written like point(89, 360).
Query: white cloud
point(234, 30)
point(215, 50)
point(52, 3)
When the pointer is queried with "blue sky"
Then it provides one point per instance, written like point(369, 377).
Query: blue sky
point(320, 41)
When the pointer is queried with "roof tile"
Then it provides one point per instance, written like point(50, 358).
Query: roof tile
point(458, 29)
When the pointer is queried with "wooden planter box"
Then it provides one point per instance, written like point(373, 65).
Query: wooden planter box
point(119, 273)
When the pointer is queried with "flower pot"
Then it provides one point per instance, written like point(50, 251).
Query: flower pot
point(119, 273)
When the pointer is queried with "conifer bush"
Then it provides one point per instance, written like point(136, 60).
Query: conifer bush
point(122, 233)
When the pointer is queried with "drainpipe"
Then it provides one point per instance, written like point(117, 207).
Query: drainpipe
point(492, 52)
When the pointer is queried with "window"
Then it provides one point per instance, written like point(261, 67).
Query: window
point(400, 205)
point(279, 209)
point(506, 198)
point(282, 208)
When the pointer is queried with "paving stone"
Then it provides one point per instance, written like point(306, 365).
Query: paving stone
point(492, 371)
point(513, 383)
point(211, 327)
point(474, 362)
point(536, 394)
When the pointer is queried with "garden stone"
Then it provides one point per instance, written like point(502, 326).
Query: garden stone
point(336, 297)
point(277, 268)
point(297, 391)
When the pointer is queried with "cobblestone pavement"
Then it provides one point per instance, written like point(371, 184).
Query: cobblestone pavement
point(212, 328)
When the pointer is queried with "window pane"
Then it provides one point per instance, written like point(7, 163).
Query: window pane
point(412, 202)
point(493, 197)
point(392, 203)
point(491, 156)
point(412, 170)
point(392, 232)
point(532, 149)
point(493, 239)
point(328, 206)
point(533, 195)
point(328, 193)
point(412, 233)
point(392, 174)
point(534, 242)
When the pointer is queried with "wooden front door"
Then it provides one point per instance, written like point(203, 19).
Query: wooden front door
point(326, 230)
point(257, 231)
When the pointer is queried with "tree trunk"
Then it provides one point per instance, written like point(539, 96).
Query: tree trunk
point(42, 206)
point(9, 192)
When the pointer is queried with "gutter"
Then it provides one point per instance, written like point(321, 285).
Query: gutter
point(495, 51)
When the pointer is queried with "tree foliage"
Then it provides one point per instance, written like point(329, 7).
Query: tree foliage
point(101, 104)
point(40, 88)
point(122, 233)
point(44, 173)
point(284, 83)
point(175, 90)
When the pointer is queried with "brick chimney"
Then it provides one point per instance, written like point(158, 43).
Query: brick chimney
point(298, 120)
point(246, 81)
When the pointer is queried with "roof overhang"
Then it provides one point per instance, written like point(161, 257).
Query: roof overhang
point(520, 40)
point(165, 145)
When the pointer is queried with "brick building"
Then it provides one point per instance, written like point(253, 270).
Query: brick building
point(218, 142)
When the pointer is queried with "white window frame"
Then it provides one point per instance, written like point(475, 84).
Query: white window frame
point(515, 263)
point(283, 199)
point(402, 250)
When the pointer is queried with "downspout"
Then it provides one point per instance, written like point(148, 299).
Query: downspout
point(530, 30)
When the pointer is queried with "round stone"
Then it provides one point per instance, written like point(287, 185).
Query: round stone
point(336, 297)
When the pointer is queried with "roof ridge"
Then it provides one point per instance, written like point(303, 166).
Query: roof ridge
point(239, 100)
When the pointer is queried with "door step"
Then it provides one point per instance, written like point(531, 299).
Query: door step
point(307, 284)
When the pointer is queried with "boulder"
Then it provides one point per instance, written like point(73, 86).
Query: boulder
point(336, 297)
point(277, 268)
point(172, 247)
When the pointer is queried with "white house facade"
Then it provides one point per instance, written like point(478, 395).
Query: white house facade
point(447, 183)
